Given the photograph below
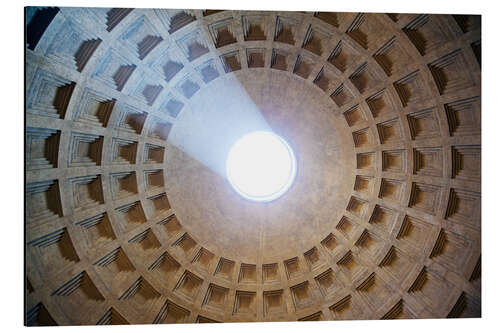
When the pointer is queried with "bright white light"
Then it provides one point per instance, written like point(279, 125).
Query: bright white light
point(261, 166)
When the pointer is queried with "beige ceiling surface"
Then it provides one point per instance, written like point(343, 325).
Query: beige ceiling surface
point(129, 117)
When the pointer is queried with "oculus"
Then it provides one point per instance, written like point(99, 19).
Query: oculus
point(261, 166)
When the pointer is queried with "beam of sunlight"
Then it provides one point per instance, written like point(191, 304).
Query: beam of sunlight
point(216, 118)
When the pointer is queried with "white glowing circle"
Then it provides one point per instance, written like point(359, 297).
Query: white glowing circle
point(261, 166)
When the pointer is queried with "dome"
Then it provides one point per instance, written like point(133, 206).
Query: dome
point(132, 216)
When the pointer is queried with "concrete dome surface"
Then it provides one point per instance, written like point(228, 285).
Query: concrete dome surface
point(130, 117)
